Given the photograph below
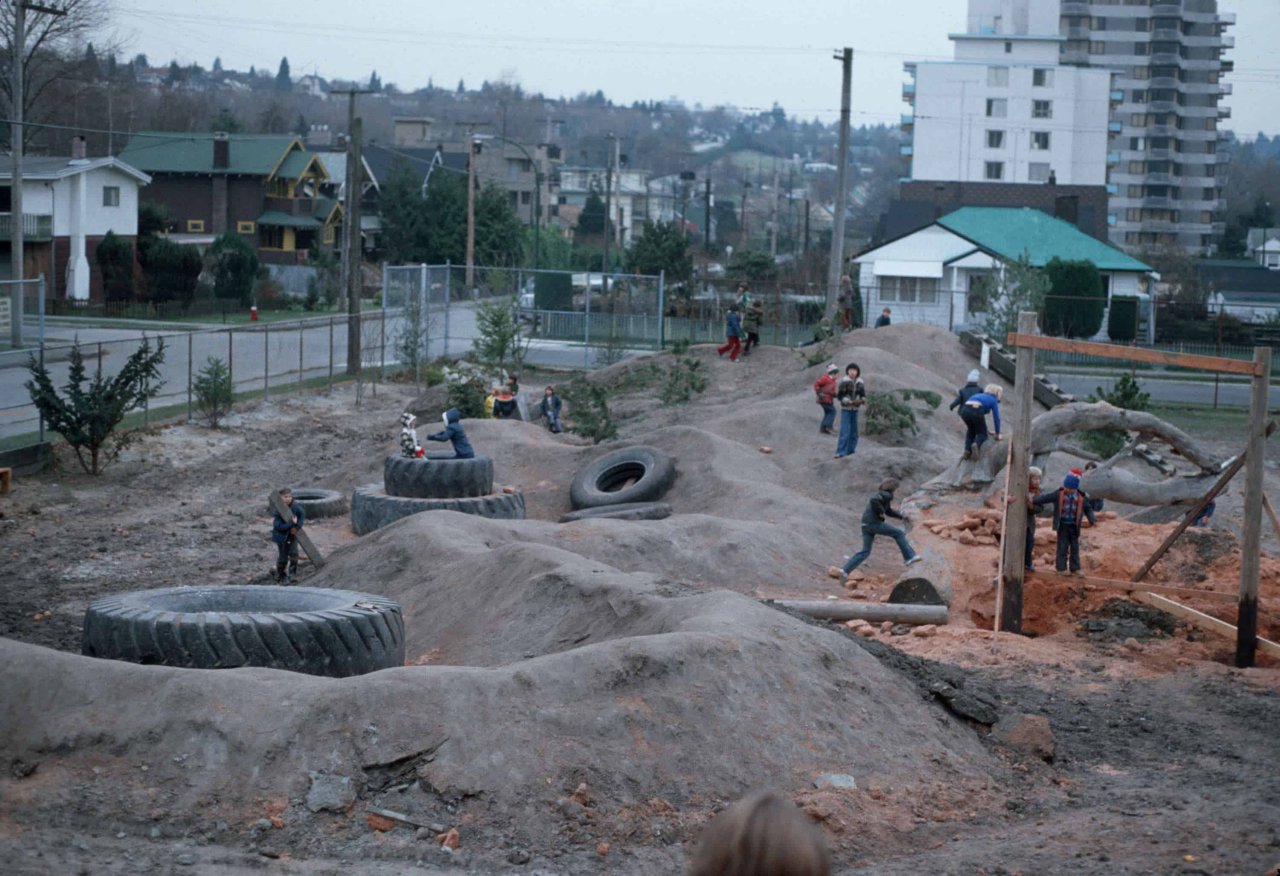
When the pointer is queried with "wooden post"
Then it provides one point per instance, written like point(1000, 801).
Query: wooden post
point(1271, 512)
point(304, 540)
point(1014, 548)
point(1251, 546)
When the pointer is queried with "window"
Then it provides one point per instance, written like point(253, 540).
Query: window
point(1040, 140)
point(6, 199)
point(998, 76)
point(1038, 171)
point(1097, 48)
point(1138, 120)
point(111, 196)
point(1138, 144)
point(1041, 109)
point(995, 139)
point(328, 235)
point(1042, 77)
point(195, 226)
point(1008, 48)
point(272, 237)
point(1137, 167)
point(909, 290)
point(1141, 73)
point(246, 227)
point(982, 290)
point(1134, 191)
point(995, 170)
point(526, 197)
point(997, 107)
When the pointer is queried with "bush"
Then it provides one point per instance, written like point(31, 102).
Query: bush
point(268, 293)
point(235, 268)
point(172, 270)
point(1122, 320)
point(115, 261)
point(553, 291)
point(1076, 299)
point(88, 416)
point(589, 407)
point(890, 413)
point(467, 387)
point(685, 379)
point(214, 391)
point(1126, 394)
point(680, 346)
point(498, 341)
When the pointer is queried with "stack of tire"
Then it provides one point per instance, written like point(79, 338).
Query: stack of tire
point(437, 482)
point(623, 485)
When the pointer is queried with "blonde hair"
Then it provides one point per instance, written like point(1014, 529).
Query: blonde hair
point(1034, 472)
point(761, 835)
point(992, 389)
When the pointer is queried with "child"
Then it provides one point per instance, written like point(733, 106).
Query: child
point(851, 392)
point(285, 534)
point(761, 834)
point(1203, 519)
point(1033, 489)
point(751, 325)
point(1070, 505)
point(550, 406)
point(974, 414)
point(453, 433)
point(968, 391)
point(1095, 504)
point(733, 331)
point(878, 507)
point(409, 445)
point(825, 389)
point(884, 319)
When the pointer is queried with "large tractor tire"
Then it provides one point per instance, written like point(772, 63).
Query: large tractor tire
point(372, 508)
point(634, 474)
point(436, 478)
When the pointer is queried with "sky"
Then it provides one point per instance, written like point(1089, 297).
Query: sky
point(747, 53)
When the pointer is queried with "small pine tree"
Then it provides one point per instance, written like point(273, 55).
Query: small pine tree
point(498, 342)
point(686, 379)
point(1127, 393)
point(589, 406)
point(87, 416)
point(214, 391)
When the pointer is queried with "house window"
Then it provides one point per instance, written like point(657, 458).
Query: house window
point(1038, 171)
point(909, 290)
point(997, 107)
point(111, 196)
point(1138, 96)
point(998, 76)
point(1138, 144)
point(982, 290)
point(6, 199)
point(995, 139)
point(1137, 167)
point(1041, 109)
point(246, 227)
point(327, 237)
point(526, 197)
point(994, 170)
point(195, 226)
point(273, 237)
point(1040, 140)
point(1042, 77)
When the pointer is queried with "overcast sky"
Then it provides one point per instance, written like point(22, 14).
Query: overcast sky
point(749, 53)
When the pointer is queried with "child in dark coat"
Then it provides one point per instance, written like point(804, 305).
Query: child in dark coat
point(550, 407)
point(1070, 508)
point(285, 534)
point(878, 508)
point(454, 433)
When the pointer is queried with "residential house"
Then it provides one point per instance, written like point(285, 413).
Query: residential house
point(942, 274)
point(1243, 288)
point(628, 196)
point(921, 202)
point(268, 189)
point(1262, 245)
point(69, 205)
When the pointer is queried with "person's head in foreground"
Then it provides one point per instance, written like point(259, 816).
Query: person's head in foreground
point(761, 835)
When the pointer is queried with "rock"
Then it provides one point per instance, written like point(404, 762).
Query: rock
point(581, 794)
point(833, 572)
point(186, 859)
point(380, 823)
point(1133, 645)
point(571, 808)
point(155, 833)
point(602, 849)
point(330, 793)
point(262, 824)
point(450, 839)
point(857, 623)
point(988, 540)
point(1030, 734)
point(838, 781)
point(925, 631)
point(518, 857)
point(900, 630)
point(867, 632)
point(509, 490)
point(966, 538)
point(885, 626)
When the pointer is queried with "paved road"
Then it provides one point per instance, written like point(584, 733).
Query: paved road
point(1166, 389)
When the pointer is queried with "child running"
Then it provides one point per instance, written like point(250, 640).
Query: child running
point(878, 508)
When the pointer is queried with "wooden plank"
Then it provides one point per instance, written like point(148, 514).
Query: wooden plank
point(1251, 541)
point(1013, 552)
point(1218, 487)
point(1131, 587)
point(1271, 512)
point(304, 540)
point(1133, 354)
point(1200, 619)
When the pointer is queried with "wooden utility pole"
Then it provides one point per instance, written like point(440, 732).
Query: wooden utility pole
point(1251, 546)
point(608, 217)
point(351, 250)
point(773, 215)
point(835, 270)
point(706, 207)
point(473, 146)
point(1014, 548)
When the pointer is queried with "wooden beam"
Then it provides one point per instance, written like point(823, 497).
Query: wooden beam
point(1194, 513)
point(304, 540)
point(1013, 525)
point(844, 610)
point(1131, 587)
point(1251, 541)
point(1200, 619)
point(1219, 364)
point(1271, 512)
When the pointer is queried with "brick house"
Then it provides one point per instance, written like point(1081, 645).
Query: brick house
point(266, 188)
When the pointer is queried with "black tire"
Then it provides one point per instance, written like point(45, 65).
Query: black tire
point(601, 481)
point(335, 633)
point(317, 503)
point(628, 511)
point(437, 478)
point(372, 508)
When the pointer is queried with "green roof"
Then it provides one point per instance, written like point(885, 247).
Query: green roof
point(1011, 232)
point(278, 217)
point(297, 162)
point(250, 154)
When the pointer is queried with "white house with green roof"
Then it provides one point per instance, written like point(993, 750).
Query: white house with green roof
point(942, 273)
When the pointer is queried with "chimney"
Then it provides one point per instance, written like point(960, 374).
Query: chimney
point(77, 148)
point(221, 151)
point(1067, 208)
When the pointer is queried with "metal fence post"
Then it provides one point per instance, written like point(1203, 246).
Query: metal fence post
point(40, 305)
point(231, 362)
point(266, 361)
point(382, 366)
point(662, 311)
point(302, 334)
point(191, 343)
point(586, 325)
point(448, 298)
point(331, 319)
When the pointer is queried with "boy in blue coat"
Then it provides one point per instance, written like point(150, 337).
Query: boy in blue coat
point(285, 534)
point(1070, 507)
point(733, 332)
point(454, 433)
point(974, 413)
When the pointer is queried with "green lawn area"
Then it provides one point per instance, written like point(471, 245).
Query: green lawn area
point(1204, 420)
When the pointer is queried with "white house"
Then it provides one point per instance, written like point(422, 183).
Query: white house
point(942, 273)
point(69, 205)
point(1004, 110)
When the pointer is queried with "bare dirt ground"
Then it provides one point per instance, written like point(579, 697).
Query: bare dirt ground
point(581, 698)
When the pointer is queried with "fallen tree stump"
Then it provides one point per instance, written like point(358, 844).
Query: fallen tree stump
point(927, 582)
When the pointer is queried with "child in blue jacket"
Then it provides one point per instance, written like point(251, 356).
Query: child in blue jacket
point(285, 534)
point(1070, 508)
point(454, 433)
point(974, 413)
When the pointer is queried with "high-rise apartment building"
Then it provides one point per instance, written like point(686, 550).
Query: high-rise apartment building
point(1005, 110)
point(1166, 55)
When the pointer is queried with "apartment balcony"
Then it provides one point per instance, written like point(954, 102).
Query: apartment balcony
point(1075, 7)
point(1197, 112)
point(1162, 106)
point(1077, 33)
point(1166, 8)
point(905, 151)
point(36, 227)
point(1156, 203)
point(1163, 58)
point(1162, 82)
point(1224, 88)
point(1224, 112)
point(1198, 136)
point(1115, 127)
point(1158, 178)
point(290, 206)
point(908, 121)
point(1117, 96)
point(1226, 18)
point(1157, 225)
point(909, 92)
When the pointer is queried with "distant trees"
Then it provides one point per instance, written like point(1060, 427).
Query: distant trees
point(663, 246)
point(284, 82)
point(235, 267)
point(115, 261)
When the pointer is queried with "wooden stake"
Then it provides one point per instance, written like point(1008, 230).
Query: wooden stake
point(1271, 512)
point(1013, 550)
point(304, 541)
point(1251, 543)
